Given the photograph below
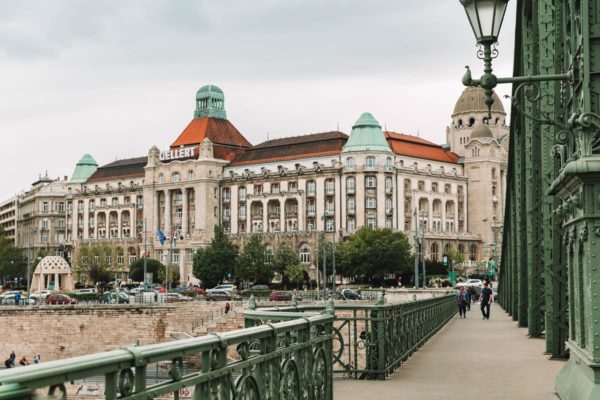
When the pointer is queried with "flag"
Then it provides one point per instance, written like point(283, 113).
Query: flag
point(173, 231)
point(160, 236)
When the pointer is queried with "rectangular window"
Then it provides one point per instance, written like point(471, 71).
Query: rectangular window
point(190, 257)
point(371, 202)
point(45, 206)
point(351, 224)
point(311, 188)
point(292, 187)
point(371, 223)
point(103, 202)
point(370, 162)
point(45, 224)
point(351, 204)
point(61, 223)
point(370, 182)
point(179, 212)
point(115, 201)
point(274, 188)
point(242, 212)
point(329, 225)
point(44, 237)
point(330, 186)
point(175, 257)
point(258, 189)
point(61, 207)
point(388, 223)
point(242, 193)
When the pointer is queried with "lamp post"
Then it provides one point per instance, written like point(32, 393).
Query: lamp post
point(485, 17)
point(423, 248)
point(145, 257)
point(417, 244)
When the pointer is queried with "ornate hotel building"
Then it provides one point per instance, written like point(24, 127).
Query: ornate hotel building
point(298, 190)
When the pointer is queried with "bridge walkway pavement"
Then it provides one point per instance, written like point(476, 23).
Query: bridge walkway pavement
point(468, 358)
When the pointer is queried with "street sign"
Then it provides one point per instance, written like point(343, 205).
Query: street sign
point(445, 260)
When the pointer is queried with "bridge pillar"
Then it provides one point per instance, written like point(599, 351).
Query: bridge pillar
point(578, 188)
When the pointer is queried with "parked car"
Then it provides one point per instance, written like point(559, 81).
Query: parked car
point(226, 287)
point(259, 287)
point(280, 295)
point(9, 293)
point(475, 282)
point(176, 298)
point(86, 290)
point(9, 300)
point(40, 296)
point(58, 298)
point(349, 294)
point(114, 298)
point(219, 295)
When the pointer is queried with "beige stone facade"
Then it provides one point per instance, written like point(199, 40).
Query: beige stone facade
point(8, 218)
point(299, 191)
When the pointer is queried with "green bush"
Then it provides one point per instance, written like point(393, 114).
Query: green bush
point(257, 293)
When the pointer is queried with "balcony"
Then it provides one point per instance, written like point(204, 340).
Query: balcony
point(242, 197)
point(389, 211)
point(226, 217)
point(351, 190)
point(351, 211)
point(257, 215)
point(311, 213)
point(329, 211)
point(291, 214)
point(311, 193)
point(226, 200)
point(389, 168)
point(329, 191)
point(349, 168)
point(242, 217)
point(370, 167)
point(389, 190)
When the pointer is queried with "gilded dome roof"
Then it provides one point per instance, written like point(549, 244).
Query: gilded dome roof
point(472, 100)
point(481, 130)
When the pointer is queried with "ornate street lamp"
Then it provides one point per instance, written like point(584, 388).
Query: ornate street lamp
point(485, 17)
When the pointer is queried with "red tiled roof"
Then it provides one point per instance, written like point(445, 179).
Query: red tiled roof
point(314, 145)
point(412, 146)
point(219, 131)
point(120, 169)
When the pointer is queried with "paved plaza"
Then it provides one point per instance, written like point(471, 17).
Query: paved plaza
point(468, 358)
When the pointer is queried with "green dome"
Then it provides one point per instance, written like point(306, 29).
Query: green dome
point(84, 169)
point(210, 102)
point(366, 135)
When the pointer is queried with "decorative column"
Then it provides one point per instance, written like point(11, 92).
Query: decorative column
point(184, 218)
point(56, 283)
point(86, 219)
point(182, 270)
point(167, 214)
point(157, 210)
point(119, 227)
point(96, 225)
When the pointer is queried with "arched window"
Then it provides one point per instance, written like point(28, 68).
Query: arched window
point(388, 162)
point(460, 123)
point(472, 251)
point(305, 254)
point(350, 163)
point(350, 184)
point(370, 162)
point(190, 175)
point(434, 252)
point(161, 178)
point(471, 121)
point(388, 184)
point(175, 177)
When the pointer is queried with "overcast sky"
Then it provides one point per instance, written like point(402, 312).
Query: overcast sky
point(113, 78)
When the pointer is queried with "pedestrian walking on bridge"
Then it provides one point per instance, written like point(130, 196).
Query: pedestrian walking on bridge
point(461, 302)
point(486, 300)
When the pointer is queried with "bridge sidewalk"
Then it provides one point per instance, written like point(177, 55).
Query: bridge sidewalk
point(491, 359)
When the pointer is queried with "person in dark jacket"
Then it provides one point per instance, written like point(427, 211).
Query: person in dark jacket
point(461, 302)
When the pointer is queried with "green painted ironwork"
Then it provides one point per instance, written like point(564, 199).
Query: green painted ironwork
point(550, 276)
point(286, 360)
point(372, 341)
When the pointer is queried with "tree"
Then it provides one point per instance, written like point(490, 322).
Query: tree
point(173, 275)
point(97, 263)
point(252, 263)
point(136, 270)
point(13, 264)
point(374, 253)
point(211, 264)
point(294, 273)
point(287, 262)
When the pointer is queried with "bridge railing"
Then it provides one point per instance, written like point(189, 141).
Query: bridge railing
point(370, 341)
point(289, 359)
